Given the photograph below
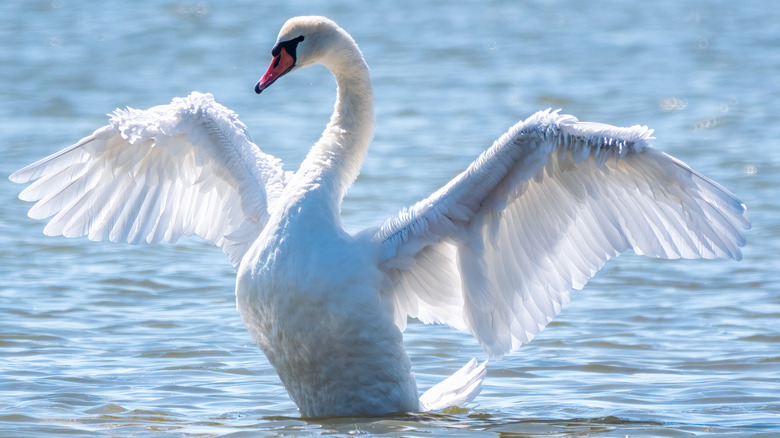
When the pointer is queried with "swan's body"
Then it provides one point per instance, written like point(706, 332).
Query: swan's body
point(495, 251)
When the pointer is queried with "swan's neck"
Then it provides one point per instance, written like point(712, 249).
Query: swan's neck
point(334, 162)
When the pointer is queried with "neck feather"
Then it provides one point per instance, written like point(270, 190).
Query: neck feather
point(334, 162)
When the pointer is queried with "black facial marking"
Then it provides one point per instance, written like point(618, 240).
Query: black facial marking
point(289, 46)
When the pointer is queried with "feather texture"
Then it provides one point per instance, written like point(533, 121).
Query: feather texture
point(185, 168)
point(498, 249)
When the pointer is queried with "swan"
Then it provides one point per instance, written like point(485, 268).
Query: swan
point(496, 251)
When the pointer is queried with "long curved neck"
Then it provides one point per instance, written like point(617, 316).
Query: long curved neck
point(334, 162)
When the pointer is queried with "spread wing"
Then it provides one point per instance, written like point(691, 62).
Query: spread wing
point(498, 249)
point(185, 168)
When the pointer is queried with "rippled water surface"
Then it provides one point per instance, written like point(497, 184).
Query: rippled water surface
point(119, 340)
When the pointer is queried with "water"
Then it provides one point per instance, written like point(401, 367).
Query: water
point(118, 340)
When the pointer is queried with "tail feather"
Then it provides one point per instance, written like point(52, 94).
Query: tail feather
point(457, 390)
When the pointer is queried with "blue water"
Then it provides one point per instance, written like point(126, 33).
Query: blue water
point(119, 340)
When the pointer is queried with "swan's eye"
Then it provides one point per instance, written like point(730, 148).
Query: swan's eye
point(289, 46)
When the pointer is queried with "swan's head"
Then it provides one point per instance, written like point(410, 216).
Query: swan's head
point(305, 41)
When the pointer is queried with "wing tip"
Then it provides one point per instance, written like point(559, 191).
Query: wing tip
point(19, 176)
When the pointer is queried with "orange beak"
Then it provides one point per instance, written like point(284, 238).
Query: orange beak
point(280, 64)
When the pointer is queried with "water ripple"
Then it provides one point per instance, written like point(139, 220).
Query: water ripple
point(120, 340)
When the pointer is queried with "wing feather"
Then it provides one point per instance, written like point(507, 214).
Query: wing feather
point(185, 168)
point(538, 214)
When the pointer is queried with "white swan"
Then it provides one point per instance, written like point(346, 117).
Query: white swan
point(496, 251)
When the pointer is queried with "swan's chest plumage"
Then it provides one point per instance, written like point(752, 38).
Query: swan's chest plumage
point(308, 294)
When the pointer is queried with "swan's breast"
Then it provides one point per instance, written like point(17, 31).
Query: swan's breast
point(309, 297)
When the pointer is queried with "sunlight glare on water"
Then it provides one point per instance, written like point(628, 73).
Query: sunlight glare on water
point(119, 340)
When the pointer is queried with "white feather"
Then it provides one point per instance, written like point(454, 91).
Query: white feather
point(178, 169)
point(541, 211)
